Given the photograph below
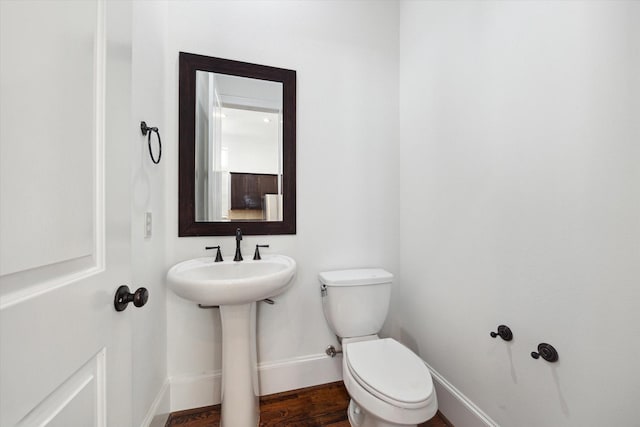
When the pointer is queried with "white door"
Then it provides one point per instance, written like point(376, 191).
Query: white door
point(65, 129)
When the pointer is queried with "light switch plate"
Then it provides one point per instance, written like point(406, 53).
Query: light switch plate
point(147, 225)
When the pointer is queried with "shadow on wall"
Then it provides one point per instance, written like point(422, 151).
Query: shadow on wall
point(408, 340)
point(563, 402)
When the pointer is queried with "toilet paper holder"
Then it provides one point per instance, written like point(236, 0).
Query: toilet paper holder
point(504, 332)
point(547, 351)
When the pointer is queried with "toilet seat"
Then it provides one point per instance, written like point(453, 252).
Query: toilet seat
point(391, 372)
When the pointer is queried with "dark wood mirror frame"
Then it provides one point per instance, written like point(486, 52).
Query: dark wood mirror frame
point(187, 225)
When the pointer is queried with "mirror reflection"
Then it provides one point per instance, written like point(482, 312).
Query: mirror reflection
point(238, 148)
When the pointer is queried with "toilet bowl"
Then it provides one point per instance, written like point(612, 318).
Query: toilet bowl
point(389, 385)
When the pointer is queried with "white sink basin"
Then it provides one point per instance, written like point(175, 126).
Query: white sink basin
point(235, 287)
point(207, 282)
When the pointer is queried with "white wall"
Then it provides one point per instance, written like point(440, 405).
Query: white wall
point(519, 176)
point(148, 195)
point(345, 55)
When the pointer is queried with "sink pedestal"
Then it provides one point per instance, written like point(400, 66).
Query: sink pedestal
point(240, 406)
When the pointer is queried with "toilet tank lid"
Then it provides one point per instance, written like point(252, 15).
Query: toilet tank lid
point(355, 277)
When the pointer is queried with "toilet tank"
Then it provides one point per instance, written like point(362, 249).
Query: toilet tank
point(355, 302)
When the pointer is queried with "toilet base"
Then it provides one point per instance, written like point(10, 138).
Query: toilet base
point(358, 417)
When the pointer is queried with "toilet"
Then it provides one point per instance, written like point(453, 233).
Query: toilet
point(389, 385)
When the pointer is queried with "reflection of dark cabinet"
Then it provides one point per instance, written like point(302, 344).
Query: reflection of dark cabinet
point(248, 189)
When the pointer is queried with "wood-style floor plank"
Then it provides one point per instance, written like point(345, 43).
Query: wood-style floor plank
point(319, 406)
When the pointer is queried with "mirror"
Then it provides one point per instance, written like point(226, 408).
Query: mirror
point(237, 148)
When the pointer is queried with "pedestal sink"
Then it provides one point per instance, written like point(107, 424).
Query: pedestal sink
point(235, 287)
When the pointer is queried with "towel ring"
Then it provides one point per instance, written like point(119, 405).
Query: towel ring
point(146, 130)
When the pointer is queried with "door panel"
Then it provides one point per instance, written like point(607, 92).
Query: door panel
point(80, 400)
point(48, 106)
point(65, 353)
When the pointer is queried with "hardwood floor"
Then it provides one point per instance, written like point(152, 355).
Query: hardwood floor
point(320, 406)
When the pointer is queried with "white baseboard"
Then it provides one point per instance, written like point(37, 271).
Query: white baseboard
point(299, 372)
point(194, 391)
point(159, 410)
point(457, 407)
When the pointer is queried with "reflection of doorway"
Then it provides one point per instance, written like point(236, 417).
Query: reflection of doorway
point(251, 140)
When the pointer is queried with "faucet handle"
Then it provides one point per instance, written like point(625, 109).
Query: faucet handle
point(256, 255)
point(218, 254)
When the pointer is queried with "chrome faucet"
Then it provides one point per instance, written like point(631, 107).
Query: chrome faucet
point(238, 256)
